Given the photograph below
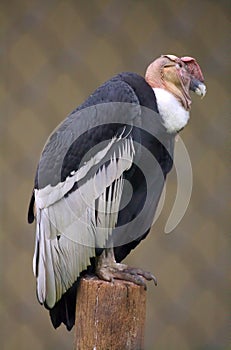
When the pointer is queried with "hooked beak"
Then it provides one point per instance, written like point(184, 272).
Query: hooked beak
point(198, 87)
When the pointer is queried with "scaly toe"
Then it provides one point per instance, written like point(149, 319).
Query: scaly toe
point(146, 275)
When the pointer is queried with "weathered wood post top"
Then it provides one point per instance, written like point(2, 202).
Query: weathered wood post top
point(109, 316)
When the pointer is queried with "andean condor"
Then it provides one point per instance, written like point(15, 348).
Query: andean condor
point(100, 177)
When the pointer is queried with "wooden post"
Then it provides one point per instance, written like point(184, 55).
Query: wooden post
point(109, 316)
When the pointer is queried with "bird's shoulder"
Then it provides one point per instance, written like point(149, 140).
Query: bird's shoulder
point(98, 118)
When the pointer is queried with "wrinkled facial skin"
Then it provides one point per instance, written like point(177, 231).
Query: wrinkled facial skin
point(177, 73)
point(193, 68)
point(189, 73)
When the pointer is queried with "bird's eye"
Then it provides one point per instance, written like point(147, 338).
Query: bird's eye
point(179, 65)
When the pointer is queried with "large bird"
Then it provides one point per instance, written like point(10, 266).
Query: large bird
point(100, 177)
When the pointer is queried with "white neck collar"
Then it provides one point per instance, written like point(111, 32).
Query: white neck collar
point(174, 116)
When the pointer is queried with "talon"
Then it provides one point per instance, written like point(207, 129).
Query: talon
point(154, 280)
point(108, 269)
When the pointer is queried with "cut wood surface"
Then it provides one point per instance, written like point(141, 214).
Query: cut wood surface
point(109, 316)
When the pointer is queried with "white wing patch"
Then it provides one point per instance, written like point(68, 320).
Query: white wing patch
point(68, 229)
point(51, 194)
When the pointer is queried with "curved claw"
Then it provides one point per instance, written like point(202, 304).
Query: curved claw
point(154, 280)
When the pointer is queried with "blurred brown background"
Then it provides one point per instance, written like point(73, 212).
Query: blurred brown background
point(53, 55)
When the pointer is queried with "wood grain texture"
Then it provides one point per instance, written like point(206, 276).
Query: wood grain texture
point(109, 315)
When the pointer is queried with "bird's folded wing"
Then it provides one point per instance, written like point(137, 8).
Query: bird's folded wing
point(76, 216)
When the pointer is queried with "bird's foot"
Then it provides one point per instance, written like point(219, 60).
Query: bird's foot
point(109, 272)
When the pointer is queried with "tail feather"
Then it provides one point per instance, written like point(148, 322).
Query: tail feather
point(64, 309)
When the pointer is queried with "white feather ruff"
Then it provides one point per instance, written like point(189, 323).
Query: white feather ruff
point(68, 230)
point(174, 116)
